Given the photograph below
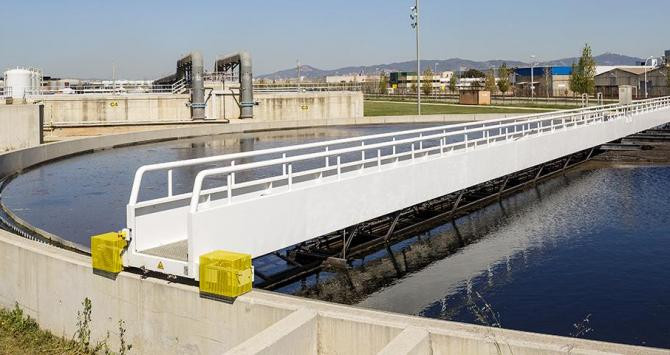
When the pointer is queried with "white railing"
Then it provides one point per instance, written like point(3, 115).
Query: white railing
point(305, 87)
point(118, 90)
point(178, 87)
point(280, 168)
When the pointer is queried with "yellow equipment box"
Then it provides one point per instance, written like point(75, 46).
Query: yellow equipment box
point(225, 274)
point(106, 251)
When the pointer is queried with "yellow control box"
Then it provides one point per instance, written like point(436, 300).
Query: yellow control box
point(225, 274)
point(106, 251)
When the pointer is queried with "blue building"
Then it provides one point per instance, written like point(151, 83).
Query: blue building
point(547, 81)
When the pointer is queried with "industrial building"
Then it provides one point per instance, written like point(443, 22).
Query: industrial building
point(646, 81)
point(406, 82)
point(547, 81)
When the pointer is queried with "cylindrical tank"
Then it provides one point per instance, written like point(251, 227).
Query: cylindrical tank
point(18, 81)
point(36, 82)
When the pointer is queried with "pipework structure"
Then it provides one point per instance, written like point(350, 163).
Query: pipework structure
point(241, 60)
point(190, 68)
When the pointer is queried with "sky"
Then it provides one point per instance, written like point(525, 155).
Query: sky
point(144, 38)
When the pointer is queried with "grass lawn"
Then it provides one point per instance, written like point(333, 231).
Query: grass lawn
point(22, 335)
point(378, 108)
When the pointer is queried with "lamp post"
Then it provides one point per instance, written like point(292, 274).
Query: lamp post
point(414, 17)
point(297, 63)
point(532, 78)
point(646, 93)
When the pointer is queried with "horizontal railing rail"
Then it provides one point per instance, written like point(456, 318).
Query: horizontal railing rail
point(119, 90)
point(417, 142)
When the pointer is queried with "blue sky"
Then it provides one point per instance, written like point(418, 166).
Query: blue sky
point(145, 38)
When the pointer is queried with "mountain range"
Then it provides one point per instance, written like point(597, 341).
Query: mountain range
point(452, 64)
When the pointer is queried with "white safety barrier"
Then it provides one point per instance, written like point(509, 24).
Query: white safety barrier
point(262, 201)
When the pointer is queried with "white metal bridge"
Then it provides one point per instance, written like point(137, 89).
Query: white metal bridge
point(261, 201)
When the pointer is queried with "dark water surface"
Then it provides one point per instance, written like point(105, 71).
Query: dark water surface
point(593, 245)
point(86, 195)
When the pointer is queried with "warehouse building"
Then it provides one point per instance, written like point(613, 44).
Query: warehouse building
point(548, 81)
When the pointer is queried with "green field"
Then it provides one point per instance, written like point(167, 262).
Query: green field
point(380, 108)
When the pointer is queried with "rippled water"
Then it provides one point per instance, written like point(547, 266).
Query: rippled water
point(594, 244)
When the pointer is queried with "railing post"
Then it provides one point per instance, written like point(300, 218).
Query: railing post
point(363, 153)
point(290, 176)
point(229, 187)
point(339, 168)
point(283, 166)
point(379, 159)
point(170, 183)
point(232, 164)
point(327, 158)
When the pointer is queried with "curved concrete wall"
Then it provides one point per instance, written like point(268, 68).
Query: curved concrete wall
point(50, 283)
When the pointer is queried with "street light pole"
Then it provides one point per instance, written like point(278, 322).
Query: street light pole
point(414, 16)
point(532, 78)
point(298, 70)
point(646, 93)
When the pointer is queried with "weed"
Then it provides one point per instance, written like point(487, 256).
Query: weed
point(83, 333)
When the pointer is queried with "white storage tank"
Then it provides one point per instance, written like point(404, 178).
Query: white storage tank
point(18, 81)
point(36, 81)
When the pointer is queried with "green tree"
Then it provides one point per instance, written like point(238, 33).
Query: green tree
point(575, 80)
point(473, 73)
point(582, 80)
point(427, 82)
point(503, 82)
point(453, 83)
point(490, 82)
point(383, 84)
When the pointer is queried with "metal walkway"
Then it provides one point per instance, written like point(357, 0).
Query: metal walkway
point(263, 201)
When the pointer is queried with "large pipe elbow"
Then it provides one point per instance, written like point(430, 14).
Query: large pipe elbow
point(245, 77)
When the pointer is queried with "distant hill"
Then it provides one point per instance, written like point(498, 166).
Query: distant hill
point(453, 64)
point(603, 59)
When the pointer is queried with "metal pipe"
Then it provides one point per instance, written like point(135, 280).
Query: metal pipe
point(191, 68)
point(243, 60)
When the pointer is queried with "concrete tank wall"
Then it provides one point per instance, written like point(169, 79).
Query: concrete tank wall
point(20, 126)
point(91, 109)
point(291, 105)
point(71, 110)
point(169, 318)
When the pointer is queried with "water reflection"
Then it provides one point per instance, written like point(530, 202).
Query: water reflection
point(594, 242)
